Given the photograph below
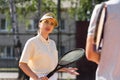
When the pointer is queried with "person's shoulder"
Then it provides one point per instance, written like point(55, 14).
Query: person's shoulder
point(102, 3)
point(112, 2)
point(99, 6)
point(32, 39)
point(52, 41)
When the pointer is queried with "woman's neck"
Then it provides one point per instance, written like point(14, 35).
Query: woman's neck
point(44, 35)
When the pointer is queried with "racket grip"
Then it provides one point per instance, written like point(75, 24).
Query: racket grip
point(50, 74)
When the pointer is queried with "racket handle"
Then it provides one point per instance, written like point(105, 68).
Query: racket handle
point(50, 74)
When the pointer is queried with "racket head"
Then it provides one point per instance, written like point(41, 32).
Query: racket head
point(67, 59)
point(71, 56)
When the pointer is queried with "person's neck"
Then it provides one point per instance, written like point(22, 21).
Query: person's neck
point(44, 35)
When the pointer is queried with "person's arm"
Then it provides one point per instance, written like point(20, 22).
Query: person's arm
point(29, 72)
point(91, 54)
point(25, 68)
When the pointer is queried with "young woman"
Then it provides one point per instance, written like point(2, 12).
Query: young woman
point(40, 56)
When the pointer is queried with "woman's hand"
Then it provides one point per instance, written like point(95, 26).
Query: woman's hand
point(71, 70)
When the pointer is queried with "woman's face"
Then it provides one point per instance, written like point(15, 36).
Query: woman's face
point(47, 25)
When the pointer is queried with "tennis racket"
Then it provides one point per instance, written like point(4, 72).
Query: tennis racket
point(100, 26)
point(69, 58)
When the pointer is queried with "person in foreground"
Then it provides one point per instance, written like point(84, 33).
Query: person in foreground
point(40, 56)
point(108, 59)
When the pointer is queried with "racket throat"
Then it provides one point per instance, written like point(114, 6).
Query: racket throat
point(55, 70)
point(51, 73)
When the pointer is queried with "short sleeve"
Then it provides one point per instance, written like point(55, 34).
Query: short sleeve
point(27, 52)
point(93, 20)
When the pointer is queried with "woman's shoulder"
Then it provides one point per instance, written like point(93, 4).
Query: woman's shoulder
point(32, 39)
point(52, 41)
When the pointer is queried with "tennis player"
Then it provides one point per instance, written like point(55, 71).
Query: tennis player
point(40, 56)
point(108, 65)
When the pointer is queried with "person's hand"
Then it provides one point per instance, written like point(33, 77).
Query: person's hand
point(43, 78)
point(72, 71)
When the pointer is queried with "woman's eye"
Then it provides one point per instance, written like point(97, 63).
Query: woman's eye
point(46, 22)
point(52, 24)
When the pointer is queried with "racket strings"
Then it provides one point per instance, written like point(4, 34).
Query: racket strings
point(71, 56)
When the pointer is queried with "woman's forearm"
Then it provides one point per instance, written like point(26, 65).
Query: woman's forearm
point(27, 70)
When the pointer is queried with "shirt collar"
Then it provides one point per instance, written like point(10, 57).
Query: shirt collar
point(43, 39)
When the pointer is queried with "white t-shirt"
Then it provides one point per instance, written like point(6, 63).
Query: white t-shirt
point(109, 66)
point(41, 55)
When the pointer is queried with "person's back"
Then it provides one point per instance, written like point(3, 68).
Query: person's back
point(109, 66)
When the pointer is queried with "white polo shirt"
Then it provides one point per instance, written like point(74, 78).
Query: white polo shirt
point(41, 55)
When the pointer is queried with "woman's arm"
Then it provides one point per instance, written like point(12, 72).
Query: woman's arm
point(27, 70)
point(91, 54)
